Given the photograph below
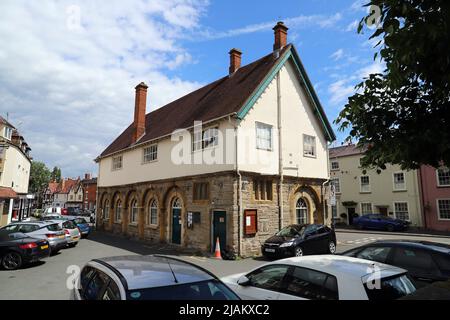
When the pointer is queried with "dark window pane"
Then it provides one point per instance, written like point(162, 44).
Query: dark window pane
point(54, 227)
point(85, 276)
point(378, 254)
point(415, 261)
point(112, 292)
point(95, 286)
point(311, 284)
point(269, 278)
point(390, 288)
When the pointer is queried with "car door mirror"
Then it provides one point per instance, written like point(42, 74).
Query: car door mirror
point(243, 281)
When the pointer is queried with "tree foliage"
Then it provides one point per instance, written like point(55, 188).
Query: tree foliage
point(403, 115)
point(39, 177)
point(56, 174)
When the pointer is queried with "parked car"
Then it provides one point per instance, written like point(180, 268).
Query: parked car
point(380, 222)
point(37, 213)
point(426, 262)
point(158, 278)
point(51, 216)
point(324, 277)
point(73, 234)
point(50, 210)
point(17, 249)
point(83, 226)
point(43, 230)
point(299, 240)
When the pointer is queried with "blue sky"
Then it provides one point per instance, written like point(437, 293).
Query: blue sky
point(68, 69)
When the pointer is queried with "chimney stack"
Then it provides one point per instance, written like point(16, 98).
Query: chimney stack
point(235, 60)
point(280, 36)
point(139, 111)
point(87, 176)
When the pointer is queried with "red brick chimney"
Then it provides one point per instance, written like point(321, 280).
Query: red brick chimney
point(139, 111)
point(280, 36)
point(235, 60)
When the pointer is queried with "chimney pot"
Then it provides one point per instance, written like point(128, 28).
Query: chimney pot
point(281, 32)
point(139, 111)
point(235, 60)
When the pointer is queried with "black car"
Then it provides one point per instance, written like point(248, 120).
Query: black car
point(426, 262)
point(17, 249)
point(299, 240)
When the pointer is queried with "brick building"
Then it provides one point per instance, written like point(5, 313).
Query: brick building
point(258, 161)
point(90, 192)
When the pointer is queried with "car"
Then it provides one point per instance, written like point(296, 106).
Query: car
point(300, 239)
point(147, 278)
point(51, 216)
point(37, 213)
point(17, 249)
point(380, 222)
point(44, 230)
point(83, 226)
point(50, 210)
point(73, 234)
point(322, 277)
point(426, 262)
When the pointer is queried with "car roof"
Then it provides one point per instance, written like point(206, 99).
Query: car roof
point(153, 271)
point(427, 245)
point(342, 266)
point(39, 223)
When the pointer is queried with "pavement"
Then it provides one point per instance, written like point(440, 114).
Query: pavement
point(47, 279)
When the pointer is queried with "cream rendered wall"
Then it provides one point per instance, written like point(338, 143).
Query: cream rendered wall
point(381, 185)
point(297, 119)
point(135, 171)
point(12, 175)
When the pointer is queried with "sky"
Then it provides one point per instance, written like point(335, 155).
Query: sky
point(68, 68)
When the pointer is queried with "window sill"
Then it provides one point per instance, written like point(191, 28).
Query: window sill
point(263, 149)
point(443, 186)
point(310, 156)
point(365, 192)
point(152, 226)
point(148, 162)
point(400, 190)
point(133, 224)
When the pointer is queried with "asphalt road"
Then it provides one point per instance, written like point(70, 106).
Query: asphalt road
point(47, 280)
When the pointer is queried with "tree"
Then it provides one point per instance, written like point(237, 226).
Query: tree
point(39, 178)
point(403, 115)
point(56, 174)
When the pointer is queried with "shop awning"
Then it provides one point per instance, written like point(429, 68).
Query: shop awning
point(7, 193)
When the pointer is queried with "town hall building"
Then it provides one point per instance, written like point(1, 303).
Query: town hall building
point(236, 160)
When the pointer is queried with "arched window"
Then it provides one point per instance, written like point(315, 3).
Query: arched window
point(106, 210)
point(134, 212)
point(152, 216)
point(118, 212)
point(301, 209)
point(176, 204)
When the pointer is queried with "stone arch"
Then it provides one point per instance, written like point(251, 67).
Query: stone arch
point(114, 201)
point(311, 199)
point(172, 194)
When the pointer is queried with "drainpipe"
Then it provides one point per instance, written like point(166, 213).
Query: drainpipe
point(280, 154)
point(236, 135)
point(325, 211)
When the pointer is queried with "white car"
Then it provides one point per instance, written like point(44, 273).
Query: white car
point(325, 277)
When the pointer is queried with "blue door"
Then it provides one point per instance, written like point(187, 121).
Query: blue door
point(220, 229)
point(176, 222)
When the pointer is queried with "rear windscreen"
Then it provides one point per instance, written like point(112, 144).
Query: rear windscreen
point(54, 227)
point(392, 288)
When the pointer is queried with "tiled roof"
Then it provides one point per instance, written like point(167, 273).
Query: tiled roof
point(7, 193)
point(345, 151)
point(4, 121)
point(218, 99)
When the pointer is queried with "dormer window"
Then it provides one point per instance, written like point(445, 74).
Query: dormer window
point(8, 133)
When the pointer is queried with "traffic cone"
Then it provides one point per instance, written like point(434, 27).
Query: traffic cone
point(217, 253)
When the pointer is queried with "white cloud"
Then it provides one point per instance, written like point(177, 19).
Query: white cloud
point(340, 91)
point(72, 85)
point(352, 27)
point(337, 55)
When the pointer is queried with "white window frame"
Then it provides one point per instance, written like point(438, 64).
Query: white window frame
point(150, 153)
point(106, 210)
point(118, 219)
point(338, 166)
point(206, 140)
point(437, 179)
point(314, 146)
point(150, 212)
point(395, 210)
point(361, 208)
point(438, 209)
point(134, 215)
point(8, 132)
point(361, 185)
point(339, 183)
point(114, 167)
point(260, 139)
point(404, 181)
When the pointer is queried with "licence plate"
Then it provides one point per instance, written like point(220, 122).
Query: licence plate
point(76, 238)
point(44, 247)
point(270, 250)
point(62, 237)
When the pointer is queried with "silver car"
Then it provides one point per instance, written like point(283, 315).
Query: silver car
point(71, 230)
point(47, 230)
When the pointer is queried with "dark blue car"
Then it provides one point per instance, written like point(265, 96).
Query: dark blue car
point(380, 222)
point(83, 226)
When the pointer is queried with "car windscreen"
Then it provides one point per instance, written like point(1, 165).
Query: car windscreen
point(69, 225)
point(291, 232)
point(79, 221)
point(391, 288)
point(204, 290)
point(54, 227)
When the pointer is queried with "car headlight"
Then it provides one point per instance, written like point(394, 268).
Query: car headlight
point(287, 244)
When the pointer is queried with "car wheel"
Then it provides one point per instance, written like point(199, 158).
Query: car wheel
point(12, 261)
point(331, 247)
point(298, 252)
point(390, 228)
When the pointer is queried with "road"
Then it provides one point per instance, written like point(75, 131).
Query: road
point(47, 280)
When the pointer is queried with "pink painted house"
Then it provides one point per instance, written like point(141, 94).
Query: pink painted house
point(434, 186)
